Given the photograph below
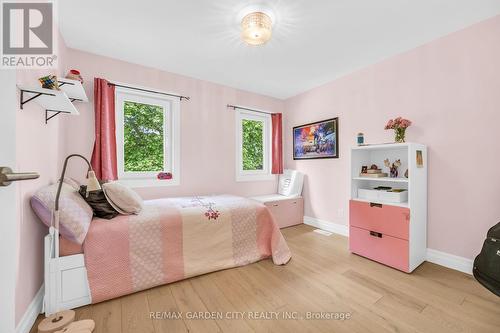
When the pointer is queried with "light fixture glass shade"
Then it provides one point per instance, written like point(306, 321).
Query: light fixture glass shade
point(92, 182)
point(256, 28)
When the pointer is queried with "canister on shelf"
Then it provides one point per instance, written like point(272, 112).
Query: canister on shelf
point(361, 139)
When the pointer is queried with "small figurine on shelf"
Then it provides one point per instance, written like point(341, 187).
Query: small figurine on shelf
point(74, 74)
point(393, 167)
point(49, 82)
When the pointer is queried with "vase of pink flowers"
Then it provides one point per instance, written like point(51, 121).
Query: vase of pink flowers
point(399, 125)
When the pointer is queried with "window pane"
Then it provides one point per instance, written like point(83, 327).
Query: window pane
point(143, 137)
point(253, 146)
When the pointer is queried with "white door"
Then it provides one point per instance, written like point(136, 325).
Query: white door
point(9, 200)
point(8, 204)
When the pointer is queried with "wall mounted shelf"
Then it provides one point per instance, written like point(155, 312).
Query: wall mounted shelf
point(74, 89)
point(55, 101)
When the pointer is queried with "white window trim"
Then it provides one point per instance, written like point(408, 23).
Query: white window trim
point(253, 175)
point(171, 143)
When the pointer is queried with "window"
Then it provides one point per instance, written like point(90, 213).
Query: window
point(253, 148)
point(147, 138)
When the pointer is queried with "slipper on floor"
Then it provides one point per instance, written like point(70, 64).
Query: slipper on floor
point(80, 326)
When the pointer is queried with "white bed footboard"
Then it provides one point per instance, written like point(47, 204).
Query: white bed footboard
point(66, 283)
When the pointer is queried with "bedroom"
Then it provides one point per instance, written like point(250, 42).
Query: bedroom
point(219, 122)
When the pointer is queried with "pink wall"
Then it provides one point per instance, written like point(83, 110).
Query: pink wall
point(208, 162)
point(449, 88)
point(38, 149)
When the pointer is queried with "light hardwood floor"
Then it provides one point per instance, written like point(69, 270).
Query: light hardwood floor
point(321, 277)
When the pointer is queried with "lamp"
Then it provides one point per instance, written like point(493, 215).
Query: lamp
point(256, 28)
point(61, 319)
point(92, 182)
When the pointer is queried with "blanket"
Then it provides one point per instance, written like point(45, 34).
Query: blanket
point(177, 238)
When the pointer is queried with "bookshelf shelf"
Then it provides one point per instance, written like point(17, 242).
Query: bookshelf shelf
point(382, 179)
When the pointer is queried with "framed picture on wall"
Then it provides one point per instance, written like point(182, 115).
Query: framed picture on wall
point(316, 140)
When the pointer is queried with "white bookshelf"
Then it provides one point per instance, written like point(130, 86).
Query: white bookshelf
point(415, 184)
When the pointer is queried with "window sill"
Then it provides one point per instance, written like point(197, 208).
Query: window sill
point(137, 183)
point(255, 178)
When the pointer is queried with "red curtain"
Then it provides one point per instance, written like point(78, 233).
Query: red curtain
point(277, 143)
point(104, 154)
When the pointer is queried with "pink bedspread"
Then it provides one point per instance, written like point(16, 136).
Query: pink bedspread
point(173, 239)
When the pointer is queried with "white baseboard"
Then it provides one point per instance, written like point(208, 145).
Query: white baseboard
point(32, 312)
point(449, 260)
point(336, 228)
point(437, 257)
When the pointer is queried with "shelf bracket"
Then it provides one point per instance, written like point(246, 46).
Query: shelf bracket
point(37, 94)
point(47, 117)
point(63, 83)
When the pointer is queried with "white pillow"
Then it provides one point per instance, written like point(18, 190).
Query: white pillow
point(122, 198)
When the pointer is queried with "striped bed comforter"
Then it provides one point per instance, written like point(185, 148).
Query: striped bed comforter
point(177, 238)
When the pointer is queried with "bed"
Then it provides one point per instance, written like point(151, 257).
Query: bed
point(170, 240)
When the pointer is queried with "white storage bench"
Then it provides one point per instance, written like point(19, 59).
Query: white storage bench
point(287, 206)
point(286, 211)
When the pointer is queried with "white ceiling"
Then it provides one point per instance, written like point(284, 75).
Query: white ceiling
point(314, 41)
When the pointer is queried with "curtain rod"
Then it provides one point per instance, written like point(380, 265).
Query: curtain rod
point(234, 107)
point(187, 98)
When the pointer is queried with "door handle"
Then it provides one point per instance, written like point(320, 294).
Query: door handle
point(376, 234)
point(7, 176)
point(372, 204)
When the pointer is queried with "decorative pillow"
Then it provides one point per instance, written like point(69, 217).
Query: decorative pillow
point(122, 198)
point(100, 205)
point(74, 213)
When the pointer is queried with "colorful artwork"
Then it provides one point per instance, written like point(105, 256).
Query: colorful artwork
point(316, 140)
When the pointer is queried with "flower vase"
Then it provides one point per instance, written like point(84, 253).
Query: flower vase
point(399, 135)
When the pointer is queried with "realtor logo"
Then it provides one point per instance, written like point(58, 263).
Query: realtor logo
point(28, 34)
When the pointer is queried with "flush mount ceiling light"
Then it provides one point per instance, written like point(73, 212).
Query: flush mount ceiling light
point(256, 28)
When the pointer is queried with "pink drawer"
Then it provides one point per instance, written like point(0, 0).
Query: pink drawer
point(287, 212)
point(385, 249)
point(389, 220)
